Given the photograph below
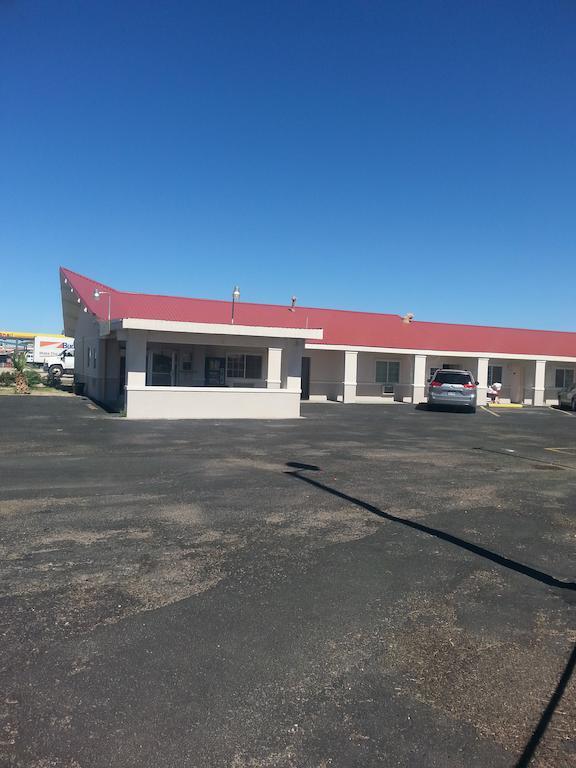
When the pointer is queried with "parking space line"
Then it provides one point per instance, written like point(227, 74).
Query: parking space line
point(511, 454)
point(564, 413)
point(497, 415)
point(561, 450)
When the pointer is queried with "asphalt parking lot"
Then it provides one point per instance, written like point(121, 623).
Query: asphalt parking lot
point(367, 586)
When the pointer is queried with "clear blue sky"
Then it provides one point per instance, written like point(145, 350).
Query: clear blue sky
point(384, 156)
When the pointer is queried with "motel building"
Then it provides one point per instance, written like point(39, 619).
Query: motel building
point(167, 357)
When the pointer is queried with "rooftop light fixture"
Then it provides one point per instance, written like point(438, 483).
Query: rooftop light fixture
point(235, 297)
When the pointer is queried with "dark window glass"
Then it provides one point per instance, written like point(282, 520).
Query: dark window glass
point(494, 374)
point(393, 373)
point(244, 367)
point(449, 377)
point(235, 366)
point(564, 377)
point(387, 372)
point(253, 367)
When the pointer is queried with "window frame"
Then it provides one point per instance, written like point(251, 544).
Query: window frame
point(491, 379)
point(239, 372)
point(387, 381)
point(564, 384)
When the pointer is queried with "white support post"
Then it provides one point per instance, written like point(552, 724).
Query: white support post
point(294, 365)
point(136, 359)
point(539, 382)
point(482, 396)
point(274, 377)
point(350, 376)
point(419, 381)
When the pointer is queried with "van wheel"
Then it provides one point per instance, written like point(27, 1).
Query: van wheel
point(472, 409)
point(574, 403)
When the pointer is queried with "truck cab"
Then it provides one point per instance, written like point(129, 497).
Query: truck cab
point(64, 366)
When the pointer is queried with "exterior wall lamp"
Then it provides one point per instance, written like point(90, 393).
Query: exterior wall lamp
point(97, 295)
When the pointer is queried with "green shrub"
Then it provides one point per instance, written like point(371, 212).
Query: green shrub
point(33, 377)
point(7, 379)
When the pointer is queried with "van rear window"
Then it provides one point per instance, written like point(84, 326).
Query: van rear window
point(450, 377)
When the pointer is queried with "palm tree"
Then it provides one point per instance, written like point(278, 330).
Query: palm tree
point(19, 361)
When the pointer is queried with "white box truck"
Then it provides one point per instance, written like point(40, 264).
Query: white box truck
point(55, 354)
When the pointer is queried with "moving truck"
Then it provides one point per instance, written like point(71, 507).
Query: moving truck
point(56, 354)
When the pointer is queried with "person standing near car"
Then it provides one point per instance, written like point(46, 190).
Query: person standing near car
point(494, 392)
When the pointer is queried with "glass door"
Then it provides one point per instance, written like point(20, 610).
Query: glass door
point(161, 369)
point(215, 372)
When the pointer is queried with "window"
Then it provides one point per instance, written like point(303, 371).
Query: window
point(387, 372)
point(160, 369)
point(94, 357)
point(186, 358)
point(564, 377)
point(244, 367)
point(446, 376)
point(89, 356)
point(235, 366)
point(253, 367)
point(445, 367)
point(494, 374)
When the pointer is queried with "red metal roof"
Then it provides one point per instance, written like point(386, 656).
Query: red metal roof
point(341, 327)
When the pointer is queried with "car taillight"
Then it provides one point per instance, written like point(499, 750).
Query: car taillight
point(435, 383)
point(470, 385)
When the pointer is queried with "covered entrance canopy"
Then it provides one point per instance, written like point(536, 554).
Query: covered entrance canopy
point(177, 368)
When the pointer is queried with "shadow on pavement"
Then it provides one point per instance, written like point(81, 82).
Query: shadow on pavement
point(296, 469)
point(539, 731)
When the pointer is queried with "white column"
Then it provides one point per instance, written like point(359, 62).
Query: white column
point(136, 359)
point(419, 381)
point(294, 365)
point(350, 376)
point(482, 377)
point(539, 382)
point(274, 377)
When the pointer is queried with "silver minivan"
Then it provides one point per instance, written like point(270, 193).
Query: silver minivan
point(450, 387)
point(567, 397)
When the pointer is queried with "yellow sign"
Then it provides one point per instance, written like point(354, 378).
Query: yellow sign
point(27, 335)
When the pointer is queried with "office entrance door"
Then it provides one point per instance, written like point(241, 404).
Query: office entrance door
point(305, 379)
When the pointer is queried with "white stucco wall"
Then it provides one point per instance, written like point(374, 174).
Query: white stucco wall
point(326, 374)
point(211, 403)
point(550, 389)
point(89, 372)
point(367, 385)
